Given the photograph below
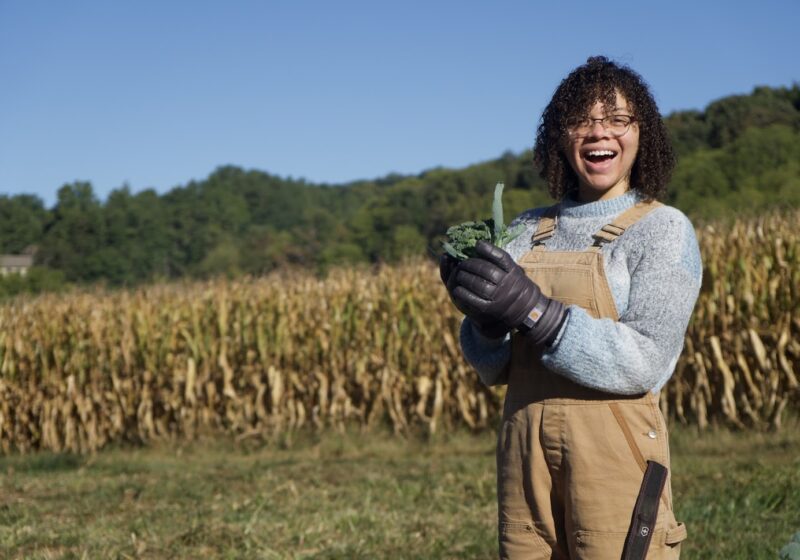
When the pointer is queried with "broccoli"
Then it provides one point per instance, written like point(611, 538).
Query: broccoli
point(462, 238)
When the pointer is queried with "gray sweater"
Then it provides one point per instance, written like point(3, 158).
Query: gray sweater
point(654, 272)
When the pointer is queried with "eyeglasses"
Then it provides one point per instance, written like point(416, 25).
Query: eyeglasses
point(616, 125)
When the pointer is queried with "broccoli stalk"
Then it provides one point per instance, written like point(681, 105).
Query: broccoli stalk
point(462, 238)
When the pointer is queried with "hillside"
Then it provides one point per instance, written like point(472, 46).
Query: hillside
point(739, 155)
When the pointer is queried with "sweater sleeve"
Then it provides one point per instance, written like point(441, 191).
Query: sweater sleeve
point(638, 353)
point(489, 356)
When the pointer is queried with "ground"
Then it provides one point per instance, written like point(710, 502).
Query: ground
point(355, 495)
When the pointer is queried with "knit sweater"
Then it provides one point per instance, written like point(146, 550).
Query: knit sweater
point(654, 272)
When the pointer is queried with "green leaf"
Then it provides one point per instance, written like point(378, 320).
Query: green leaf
point(497, 209)
point(509, 235)
point(453, 252)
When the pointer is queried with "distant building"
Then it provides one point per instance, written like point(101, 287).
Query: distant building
point(17, 264)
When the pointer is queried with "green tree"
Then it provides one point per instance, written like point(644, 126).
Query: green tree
point(137, 240)
point(729, 117)
point(22, 221)
point(74, 235)
point(406, 242)
point(688, 131)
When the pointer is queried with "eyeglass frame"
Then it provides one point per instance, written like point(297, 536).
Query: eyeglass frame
point(632, 118)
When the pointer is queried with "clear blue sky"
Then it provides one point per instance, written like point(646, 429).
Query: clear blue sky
point(156, 93)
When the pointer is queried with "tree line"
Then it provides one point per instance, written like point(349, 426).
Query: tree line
point(739, 155)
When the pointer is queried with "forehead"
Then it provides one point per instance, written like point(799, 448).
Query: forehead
point(598, 106)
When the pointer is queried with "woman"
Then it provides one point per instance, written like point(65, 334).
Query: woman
point(584, 317)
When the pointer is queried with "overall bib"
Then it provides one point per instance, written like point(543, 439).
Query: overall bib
point(570, 459)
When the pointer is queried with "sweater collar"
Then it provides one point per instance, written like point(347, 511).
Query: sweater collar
point(572, 208)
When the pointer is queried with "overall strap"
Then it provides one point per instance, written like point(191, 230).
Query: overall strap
point(610, 232)
point(546, 227)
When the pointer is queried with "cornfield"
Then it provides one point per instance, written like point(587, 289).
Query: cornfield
point(263, 357)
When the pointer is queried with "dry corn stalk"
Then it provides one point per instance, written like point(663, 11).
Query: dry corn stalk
point(266, 356)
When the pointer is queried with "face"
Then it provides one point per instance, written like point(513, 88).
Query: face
point(602, 162)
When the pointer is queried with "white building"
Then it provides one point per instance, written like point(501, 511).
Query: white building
point(15, 264)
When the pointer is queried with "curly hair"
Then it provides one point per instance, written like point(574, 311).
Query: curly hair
point(599, 80)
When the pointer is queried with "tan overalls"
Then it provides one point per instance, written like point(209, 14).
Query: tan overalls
point(570, 459)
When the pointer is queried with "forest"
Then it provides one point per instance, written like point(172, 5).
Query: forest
point(739, 156)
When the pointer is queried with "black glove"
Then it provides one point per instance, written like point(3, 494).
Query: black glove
point(492, 288)
point(490, 328)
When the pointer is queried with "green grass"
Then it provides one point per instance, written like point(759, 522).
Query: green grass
point(357, 496)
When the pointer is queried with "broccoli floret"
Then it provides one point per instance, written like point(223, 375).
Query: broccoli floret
point(462, 238)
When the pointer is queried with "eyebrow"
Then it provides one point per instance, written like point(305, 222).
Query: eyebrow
point(618, 109)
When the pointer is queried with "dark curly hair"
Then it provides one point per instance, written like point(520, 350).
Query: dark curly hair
point(599, 80)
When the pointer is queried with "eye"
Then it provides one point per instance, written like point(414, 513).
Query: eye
point(577, 122)
point(620, 120)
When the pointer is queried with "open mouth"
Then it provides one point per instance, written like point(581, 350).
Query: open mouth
point(599, 156)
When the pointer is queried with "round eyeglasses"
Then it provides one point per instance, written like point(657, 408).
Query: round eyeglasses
point(616, 125)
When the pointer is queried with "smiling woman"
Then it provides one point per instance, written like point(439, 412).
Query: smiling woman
point(583, 316)
point(601, 150)
point(580, 118)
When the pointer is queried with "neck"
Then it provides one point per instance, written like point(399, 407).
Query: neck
point(587, 193)
point(573, 207)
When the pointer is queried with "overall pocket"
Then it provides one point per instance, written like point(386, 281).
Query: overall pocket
point(519, 540)
point(664, 545)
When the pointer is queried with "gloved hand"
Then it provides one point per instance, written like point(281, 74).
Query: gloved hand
point(491, 288)
point(489, 328)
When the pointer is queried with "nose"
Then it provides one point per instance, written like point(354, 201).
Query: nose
point(597, 130)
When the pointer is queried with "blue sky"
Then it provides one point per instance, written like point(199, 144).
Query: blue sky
point(153, 94)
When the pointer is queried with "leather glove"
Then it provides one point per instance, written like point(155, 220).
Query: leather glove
point(492, 288)
point(490, 328)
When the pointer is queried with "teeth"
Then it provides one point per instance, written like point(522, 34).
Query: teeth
point(600, 153)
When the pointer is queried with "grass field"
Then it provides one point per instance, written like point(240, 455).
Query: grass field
point(357, 496)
